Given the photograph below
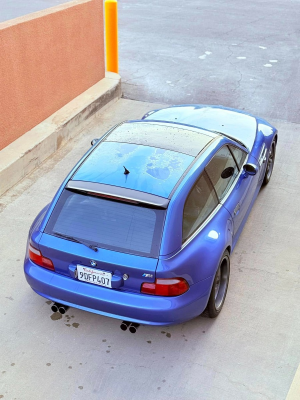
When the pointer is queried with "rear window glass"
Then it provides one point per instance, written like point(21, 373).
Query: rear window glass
point(108, 224)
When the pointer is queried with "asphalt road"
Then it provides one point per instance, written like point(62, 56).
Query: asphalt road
point(250, 352)
point(241, 54)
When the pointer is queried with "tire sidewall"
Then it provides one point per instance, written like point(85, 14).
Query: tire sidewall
point(211, 308)
point(266, 179)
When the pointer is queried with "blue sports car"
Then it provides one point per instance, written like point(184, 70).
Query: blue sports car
point(143, 226)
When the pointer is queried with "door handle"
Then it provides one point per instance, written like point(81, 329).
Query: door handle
point(237, 209)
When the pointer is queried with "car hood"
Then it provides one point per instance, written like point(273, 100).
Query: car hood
point(231, 122)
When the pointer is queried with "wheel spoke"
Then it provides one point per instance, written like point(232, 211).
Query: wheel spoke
point(270, 162)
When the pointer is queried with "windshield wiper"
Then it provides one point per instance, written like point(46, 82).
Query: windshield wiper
point(232, 138)
point(90, 246)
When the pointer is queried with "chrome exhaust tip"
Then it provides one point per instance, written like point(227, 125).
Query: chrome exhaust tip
point(62, 309)
point(133, 327)
point(55, 307)
point(124, 325)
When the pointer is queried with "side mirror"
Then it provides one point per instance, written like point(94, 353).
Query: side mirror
point(94, 141)
point(227, 173)
point(250, 169)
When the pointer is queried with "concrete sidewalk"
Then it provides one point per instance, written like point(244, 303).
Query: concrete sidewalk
point(251, 352)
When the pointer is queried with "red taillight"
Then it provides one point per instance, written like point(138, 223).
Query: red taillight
point(36, 256)
point(166, 287)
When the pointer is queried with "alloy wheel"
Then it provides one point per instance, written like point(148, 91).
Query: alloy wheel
point(221, 283)
point(270, 163)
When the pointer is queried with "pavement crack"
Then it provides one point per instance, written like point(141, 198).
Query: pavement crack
point(246, 386)
point(131, 84)
point(137, 77)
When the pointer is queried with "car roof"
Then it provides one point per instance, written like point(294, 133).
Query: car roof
point(156, 155)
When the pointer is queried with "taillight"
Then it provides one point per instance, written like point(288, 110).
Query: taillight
point(166, 287)
point(37, 257)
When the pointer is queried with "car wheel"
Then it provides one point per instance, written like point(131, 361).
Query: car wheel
point(219, 287)
point(270, 164)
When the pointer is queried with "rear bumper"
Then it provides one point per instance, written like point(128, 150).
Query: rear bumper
point(135, 307)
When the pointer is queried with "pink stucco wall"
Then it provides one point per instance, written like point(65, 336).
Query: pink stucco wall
point(46, 59)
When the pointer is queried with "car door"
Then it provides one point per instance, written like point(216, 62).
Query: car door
point(235, 192)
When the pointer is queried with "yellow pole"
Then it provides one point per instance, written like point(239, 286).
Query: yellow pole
point(111, 33)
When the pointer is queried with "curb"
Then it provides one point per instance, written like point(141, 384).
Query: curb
point(294, 392)
point(27, 152)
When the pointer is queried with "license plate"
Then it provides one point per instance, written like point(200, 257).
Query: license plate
point(95, 276)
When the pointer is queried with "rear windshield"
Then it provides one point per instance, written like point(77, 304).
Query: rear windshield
point(108, 224)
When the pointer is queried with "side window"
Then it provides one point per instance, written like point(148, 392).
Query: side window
point(200, 202)
point(239, 155)
point(222, 171)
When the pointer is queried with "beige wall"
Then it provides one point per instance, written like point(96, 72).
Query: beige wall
point(46, 59)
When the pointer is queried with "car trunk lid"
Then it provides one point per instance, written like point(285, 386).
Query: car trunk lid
point(66, 255)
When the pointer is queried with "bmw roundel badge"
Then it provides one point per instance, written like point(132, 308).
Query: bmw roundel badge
point(93, 263)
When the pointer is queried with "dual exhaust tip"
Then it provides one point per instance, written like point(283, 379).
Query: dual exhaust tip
point(133, 327)
point(56, 307)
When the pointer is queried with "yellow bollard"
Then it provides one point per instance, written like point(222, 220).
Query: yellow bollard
point(111, 33)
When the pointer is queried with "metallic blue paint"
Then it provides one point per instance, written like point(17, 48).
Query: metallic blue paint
point(65, 253)
point(235, 123)
point(136, 307)
point(152, 170)
point(196, 260)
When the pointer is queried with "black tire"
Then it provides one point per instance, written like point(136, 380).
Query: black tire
point(270, 164)
point(219, 287)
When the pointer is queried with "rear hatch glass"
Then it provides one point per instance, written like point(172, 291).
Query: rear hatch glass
point(109, 224)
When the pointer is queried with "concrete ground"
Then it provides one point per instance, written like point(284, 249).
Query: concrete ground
point(250, 352)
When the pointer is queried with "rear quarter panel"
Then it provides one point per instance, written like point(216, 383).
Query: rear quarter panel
point(199, 258)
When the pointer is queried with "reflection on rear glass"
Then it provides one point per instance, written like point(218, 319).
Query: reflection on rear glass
point(109, 224)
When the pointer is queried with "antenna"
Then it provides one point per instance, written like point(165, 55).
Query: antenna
point(126, 172)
